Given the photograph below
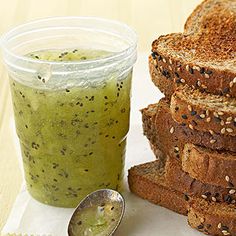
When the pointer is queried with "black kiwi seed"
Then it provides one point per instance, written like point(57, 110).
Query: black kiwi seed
point(79, 222)
point(63, 151)
point(118, 177)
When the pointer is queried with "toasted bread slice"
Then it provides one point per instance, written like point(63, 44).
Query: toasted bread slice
point(157, 120)
point(204, 112)
point(212, 218)
point(210, 166)
point(203, 56)
point(181, 181)
point(148, 182)
point(171, 144)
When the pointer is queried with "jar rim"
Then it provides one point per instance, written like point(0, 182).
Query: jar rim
point(116, 56)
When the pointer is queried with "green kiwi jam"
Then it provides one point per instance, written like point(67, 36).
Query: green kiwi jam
point(72, 139)
point(96, 221)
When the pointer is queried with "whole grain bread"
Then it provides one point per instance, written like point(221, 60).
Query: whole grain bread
point(157, 120)
point(164, 81)
point(148, 182)
point(210, 166)
point(204, 112)
point(167, 140)
point(181, 181)
point(212, 218)
point(203, 56)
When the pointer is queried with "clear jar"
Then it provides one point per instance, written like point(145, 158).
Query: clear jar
point(72, 117)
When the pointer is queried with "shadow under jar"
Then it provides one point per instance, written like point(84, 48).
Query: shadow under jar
point(70, 81)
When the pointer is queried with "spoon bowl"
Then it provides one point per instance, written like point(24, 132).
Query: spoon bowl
point(100, 214)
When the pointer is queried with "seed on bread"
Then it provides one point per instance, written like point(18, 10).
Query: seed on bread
point(209, 108)
point(224, 232)
point(227, 178)
point(211, 132)
point(223, 130)
point(222, 123)
point(229, 130)
point(172, 130)
point(213, 199)
point(202, 116)
point(199, 83)
point(232, 191)
point(212, 141)
point(191, 70)
point(191, 126)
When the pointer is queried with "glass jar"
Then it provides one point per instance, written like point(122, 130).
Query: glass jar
point(72, 116)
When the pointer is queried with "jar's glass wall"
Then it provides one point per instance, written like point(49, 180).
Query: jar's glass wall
point(72, 116)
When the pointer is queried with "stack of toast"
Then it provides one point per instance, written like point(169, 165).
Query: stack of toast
point(192, 130)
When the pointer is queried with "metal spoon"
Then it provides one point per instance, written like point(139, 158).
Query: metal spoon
point(100, 214)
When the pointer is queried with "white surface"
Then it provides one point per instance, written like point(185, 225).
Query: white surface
point(141, 217)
